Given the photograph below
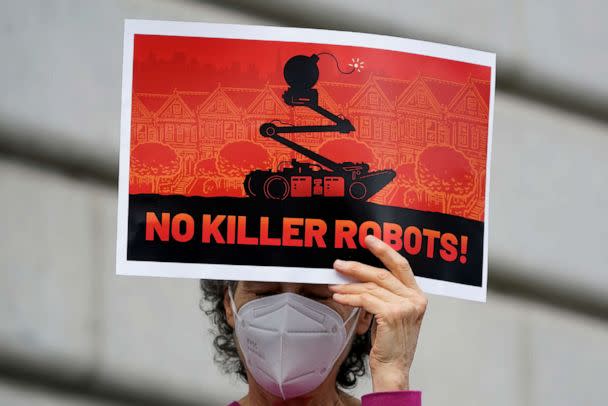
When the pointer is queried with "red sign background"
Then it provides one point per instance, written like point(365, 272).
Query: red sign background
point(198, 104)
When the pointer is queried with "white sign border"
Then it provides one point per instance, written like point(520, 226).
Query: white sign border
point(253, 32)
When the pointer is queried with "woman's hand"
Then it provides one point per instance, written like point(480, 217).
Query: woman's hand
point(398, 305)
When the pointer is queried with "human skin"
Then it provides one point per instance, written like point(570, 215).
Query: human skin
point(391, 304)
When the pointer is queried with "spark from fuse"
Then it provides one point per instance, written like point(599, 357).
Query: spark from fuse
point(357, 64)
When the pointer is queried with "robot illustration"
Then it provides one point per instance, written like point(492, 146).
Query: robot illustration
point(348, 180)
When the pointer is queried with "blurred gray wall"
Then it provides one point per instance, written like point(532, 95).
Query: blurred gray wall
point(73, 333)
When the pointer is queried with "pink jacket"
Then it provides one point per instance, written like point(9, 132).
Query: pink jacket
point(403, 398)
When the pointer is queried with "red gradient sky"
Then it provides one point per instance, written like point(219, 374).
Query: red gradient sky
point(179, 61)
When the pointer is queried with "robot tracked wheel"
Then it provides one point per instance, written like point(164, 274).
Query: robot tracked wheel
point(357, 190)
point(276, 188)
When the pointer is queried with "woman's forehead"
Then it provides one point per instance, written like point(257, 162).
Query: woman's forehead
point(248, 290)
point(281, 287)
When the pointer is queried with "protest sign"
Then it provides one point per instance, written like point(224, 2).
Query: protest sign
point(265, 153)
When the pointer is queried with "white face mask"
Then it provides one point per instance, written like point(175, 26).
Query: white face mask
point(290, 343)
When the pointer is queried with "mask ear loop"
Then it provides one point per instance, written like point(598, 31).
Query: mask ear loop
point(352, 328)
point(233, 304)
point(235, 314)
point(354, 312)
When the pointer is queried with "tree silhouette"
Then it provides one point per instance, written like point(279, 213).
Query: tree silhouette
point(412, 201)
point(154, 160)
point(447, 171)
point(405, 180)
point(347, 150)
point(206, 167)
point(240, 157)
point(406, 175)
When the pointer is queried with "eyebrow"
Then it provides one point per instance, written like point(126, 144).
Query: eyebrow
point(318, 289)
point(261, 285)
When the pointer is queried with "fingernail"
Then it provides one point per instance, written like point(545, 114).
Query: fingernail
point(371, 239)
point(334, 287)
point(339, 264)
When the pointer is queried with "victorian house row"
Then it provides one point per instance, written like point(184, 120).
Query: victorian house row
point(399, 118)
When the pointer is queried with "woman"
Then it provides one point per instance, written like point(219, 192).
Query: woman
point(296, 344)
